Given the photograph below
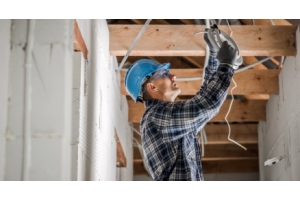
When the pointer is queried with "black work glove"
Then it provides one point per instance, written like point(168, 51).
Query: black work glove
point(213, 51)
point(227, 54)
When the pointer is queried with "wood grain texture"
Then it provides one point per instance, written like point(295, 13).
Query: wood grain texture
point(179, 40)
point(248, 81)
point(214, 166)
point(79, 44)
point(242, 111)
point(218, 133)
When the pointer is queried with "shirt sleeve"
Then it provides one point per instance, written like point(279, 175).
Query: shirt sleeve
point(189, 116)
point(210, 69)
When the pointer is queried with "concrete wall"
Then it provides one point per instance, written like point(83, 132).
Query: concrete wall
point(46, 117)
point(280, 134)
point(103, 111)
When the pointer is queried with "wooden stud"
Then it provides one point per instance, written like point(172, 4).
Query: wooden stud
point(79, 44)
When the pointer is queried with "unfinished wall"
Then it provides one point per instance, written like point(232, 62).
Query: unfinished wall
point(4, 71)
point(280, 134)
point(35, 100)
point(103, 111)
point(75, 112)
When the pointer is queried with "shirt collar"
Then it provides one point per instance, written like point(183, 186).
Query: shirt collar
point(152, 102)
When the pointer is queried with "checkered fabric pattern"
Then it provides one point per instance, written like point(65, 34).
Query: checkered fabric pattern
point(169, 129)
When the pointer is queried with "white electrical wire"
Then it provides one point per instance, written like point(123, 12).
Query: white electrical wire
point(134, 43)
point(229, 129)
point(202, 142)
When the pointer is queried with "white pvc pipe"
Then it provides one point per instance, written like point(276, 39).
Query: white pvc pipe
point(134, 43)
point(27, 102)
point(252, 65)
point(131, 126)
point(207, 51)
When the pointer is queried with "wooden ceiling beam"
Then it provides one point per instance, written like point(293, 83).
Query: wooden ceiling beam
point(265, 22)
point(153, 21)
point(248, 60)
point(179, 40)
point(187, 21)
point(242, 110)
point(197, 61)
point(176, 62)
point(248, 81)
point(242, 133)
point(220, 151)
point(218, 133)
point(238, 165)
point(193, 60)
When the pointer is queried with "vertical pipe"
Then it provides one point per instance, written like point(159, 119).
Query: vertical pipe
point(207, 51)
point(27, 102)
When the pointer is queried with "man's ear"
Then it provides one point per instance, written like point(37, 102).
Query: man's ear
point(151, 87)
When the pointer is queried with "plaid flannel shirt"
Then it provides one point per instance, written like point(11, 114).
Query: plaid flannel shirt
point(169, 129)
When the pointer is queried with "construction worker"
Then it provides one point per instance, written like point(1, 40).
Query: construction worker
point(168, 128)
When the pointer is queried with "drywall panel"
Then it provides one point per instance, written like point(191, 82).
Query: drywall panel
point(103, 111)
point(75, 112)
point(14, 159)
point(262, 129)
point(46, 159)
point(4, 82)
point(50, 105)
point(279, 136)
point(294, 158)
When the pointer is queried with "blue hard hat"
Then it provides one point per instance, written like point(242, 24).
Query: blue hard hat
point(137, 74)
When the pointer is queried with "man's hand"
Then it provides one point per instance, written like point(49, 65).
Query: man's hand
point(227, 54)
point(212, 49)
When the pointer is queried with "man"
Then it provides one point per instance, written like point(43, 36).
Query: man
point(168, 128)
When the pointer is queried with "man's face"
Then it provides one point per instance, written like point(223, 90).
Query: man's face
point(165, 82)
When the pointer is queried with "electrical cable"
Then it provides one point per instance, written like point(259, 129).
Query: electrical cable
point(229, 129)
point(134, 43)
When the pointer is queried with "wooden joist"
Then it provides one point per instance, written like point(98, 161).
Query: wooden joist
point(248, 81)
point(238, 165)
point(79, 44)
point(242, 133)
point(218, 133)
point(265, 22)
point(220, 151)
point(242, 111)
point(175, 62)
point(179, 40)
